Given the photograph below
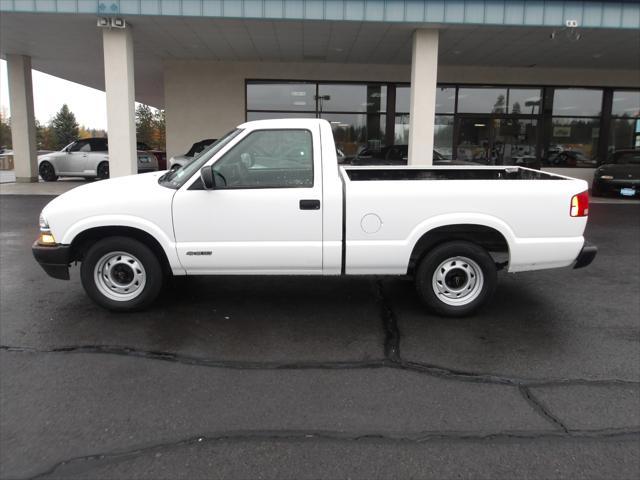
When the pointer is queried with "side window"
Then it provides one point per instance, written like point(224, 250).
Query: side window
point(80, 146)
point(99, 145)
point(268, 159)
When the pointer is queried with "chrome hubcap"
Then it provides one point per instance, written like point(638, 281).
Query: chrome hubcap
point(120, 276)
point(458, 281)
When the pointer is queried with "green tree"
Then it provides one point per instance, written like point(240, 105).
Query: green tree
point(160, 135)
point(65, 127)
point(144, 124)
point(45, 137)
point(5, 131)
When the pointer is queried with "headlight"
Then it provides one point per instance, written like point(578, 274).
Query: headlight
point(44, 225)
point(606, 177)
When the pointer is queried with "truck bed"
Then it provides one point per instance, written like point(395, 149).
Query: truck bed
point(447, 173)
point(388, 209)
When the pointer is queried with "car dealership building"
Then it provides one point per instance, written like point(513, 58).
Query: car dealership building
point(493, 82)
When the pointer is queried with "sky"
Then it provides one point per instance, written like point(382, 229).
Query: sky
point(49, 93)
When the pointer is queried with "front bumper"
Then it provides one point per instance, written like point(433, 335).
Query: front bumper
point(586, 255)
point(53, 259)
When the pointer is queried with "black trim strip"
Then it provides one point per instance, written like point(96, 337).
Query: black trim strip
point(343, 265)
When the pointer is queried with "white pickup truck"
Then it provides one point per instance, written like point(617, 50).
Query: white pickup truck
point(270, 199)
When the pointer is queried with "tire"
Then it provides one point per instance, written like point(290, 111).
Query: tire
point(456, 278)
point(121, 274)
point(103, 171)
point(47, 172)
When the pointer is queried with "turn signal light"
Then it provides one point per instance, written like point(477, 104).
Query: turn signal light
point(580, 205)
point(46, 238)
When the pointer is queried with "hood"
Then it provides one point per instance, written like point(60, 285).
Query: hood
point(117, 196)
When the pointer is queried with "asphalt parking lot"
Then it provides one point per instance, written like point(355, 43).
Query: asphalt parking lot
point(322, 378)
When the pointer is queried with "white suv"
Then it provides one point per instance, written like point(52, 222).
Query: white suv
point(87, 157)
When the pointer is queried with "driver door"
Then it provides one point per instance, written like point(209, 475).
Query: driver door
point(76, 158)
point(265, 214)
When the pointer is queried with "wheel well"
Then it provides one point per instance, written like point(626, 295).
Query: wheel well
point(488, 238)
point(85, 239)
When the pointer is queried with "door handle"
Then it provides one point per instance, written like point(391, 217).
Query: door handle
point(309, 204)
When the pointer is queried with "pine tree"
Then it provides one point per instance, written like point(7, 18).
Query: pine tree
point(144, 124)
point(65, 127)
point(159, 123)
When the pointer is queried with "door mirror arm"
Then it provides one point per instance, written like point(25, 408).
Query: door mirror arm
point(208, 180)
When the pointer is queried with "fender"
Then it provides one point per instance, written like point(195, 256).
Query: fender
point(465, 218)
point(167, 244)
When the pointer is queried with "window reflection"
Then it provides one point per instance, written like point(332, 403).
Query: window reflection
point(577, 102)
point(482, 100)
point(354, 132)
point(352, 98)
point(445, 99)
point(626, 103)
point(524, 101)
point(271, 115)
point(281, 96)
point(573, 142)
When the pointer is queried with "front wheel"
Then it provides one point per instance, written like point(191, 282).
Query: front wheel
point(47, 172)
point(456, 278)
point(121, 274)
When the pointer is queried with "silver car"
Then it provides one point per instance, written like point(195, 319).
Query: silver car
point(87, 157)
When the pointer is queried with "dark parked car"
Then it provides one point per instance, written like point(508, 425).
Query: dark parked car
point(619, 176)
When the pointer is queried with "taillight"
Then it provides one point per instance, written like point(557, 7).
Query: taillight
point(580, 205)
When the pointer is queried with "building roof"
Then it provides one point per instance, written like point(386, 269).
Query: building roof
point(588, 14)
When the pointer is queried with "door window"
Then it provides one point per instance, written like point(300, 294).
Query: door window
point(81, 146)
point(268, 159)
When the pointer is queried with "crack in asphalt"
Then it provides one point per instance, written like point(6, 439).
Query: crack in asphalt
point(284, 435)
point(540, 408)
point(389, 325)
point(392, 359)
point(418, 367)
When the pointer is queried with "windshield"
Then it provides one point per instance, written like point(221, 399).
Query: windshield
point(627, 158)
point(177, 178)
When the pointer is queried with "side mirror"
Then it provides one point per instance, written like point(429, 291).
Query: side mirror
point(206, 174)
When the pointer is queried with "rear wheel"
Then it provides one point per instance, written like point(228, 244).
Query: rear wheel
point(456, 278)
point(103, 171)
point(121, 274)
point(47, 172)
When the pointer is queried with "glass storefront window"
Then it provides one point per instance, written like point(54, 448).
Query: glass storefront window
point(352, 98)
point(445, 99)
point(525, 101)
point(401, 130)
point(626, 103)
point(270, 115)
point(573, 142)
point(482, 100)
point(353, 132)
point(623, 133)
point(281, 96)
point(443, 136)
point(577, 102)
